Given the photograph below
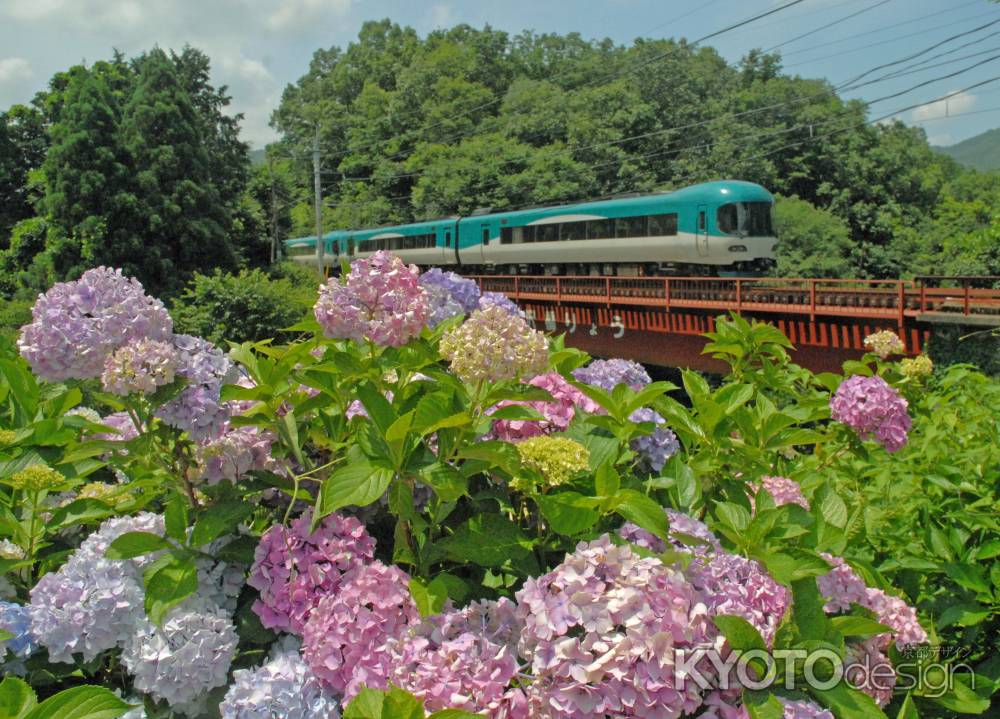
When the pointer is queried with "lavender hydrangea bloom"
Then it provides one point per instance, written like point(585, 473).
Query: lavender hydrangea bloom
point(139, 367)
point(283, 687)
point(294, 567)
point(873, 409)
point(608, 374)
point(381, 300)
point(599, 633)
point(198, 409)
point(16, 619)
point(185, 658)
point(680, 524)
point(234, 454)
point(123, 425)
point(463, 291)
point(736, 585)
point(92, 604)
point(76, 325)
point(442, 305)
point(346, 640)
point(498, 299)
point(720, 708)
point(461, 659)
point(659, 445)
point(868, 669)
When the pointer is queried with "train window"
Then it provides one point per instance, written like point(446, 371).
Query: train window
point(350, 245)
point(547, 233)
point(447, 239)
point(630, 227)
point(728, 218)
point(758, 219)
point(528, 233)
point(663, 225)
point(573, 231)
point(506, 235)
point(600, 229)
point(299, 250)
point(486, 235)
point(701, 220)
point(336, 248)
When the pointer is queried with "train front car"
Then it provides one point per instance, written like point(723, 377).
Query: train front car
point(715, 228)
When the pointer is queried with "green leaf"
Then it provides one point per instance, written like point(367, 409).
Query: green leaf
point(853, 626)
point(447, 482)
point(490, 540)
point(517, 412)
point(167, 585)
point(809, 616)
point(219, 519)
point(377, 406)
point(366, 705)
point(454, 714)
point(762, 705)
point(968, 576)
point(176, 518)
point(568, 513)
point(733, 515)
point(606, 480)
point(84, 702)
point(740, 633)
point(833, 509)
point(135, 544)
point(908, 710)
point(357, 484)
point(79, 511)
point(636, 507)
point(16, 698)
point(848, 703)
point(964, 615)
point(430, 597)
point(960, 698)
point(6, 636)
point(499, 454)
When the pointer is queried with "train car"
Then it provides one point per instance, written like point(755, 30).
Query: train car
point(714, 228)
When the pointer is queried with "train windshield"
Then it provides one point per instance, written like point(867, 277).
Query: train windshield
point(746, 218)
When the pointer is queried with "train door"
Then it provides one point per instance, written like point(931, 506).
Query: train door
point(486, 243)
point(701, 236)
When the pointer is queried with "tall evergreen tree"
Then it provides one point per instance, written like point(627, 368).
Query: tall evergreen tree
point(23, 144)
point(87, 178)
point(184, 220)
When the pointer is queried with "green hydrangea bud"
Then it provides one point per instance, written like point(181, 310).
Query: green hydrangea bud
point(557, 459)
point(36, 478)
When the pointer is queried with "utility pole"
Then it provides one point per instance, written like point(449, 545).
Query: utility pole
point(318, 192)
point(274, 211)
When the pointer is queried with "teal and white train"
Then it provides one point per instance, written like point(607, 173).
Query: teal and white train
point(714, 228)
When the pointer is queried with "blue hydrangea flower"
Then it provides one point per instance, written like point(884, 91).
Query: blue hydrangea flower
point(464, 291)
point(14, 618)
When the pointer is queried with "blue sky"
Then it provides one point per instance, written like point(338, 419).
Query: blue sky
point(259, 46)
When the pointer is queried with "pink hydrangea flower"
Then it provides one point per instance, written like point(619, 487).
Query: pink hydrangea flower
point(784, 491)
point(873, 409)
point(295, 568)
point(76, 325)
point(600, 634)
point(347, 639)
point(380, 300)
point(868, 669)
point(234, 454)
point(461, 659)
point(680, 524)
point(566, 400)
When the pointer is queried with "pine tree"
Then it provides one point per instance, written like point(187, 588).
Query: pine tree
point(184, 220)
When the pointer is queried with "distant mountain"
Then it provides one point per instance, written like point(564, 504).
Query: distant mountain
point(981, 152)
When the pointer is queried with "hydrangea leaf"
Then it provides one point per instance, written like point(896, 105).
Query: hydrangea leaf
point(16, 697)
point(85, 702)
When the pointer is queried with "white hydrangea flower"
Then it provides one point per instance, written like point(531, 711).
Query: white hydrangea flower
point(283, 687)
point(185, 658)
point(9, 550)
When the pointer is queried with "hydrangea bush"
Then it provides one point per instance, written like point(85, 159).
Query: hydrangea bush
point(426, 507)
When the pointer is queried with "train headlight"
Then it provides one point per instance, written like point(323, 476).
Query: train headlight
point(737, 248)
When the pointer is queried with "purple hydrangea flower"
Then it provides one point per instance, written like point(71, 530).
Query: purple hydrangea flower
point(92, 604)
point(461, 659)
point(76, 325)
point(659, 445)
point(295, 568)
point(123, 425)
point(16, 619)
point(462, 290)
point(498, 299)
point(720, 708)
point(442, 305)
point(199, 409)
point(380, 300)
point(680, 524)
point(784, 491)
point(608, 374)
point(600, 634)
point(139, 367)
point(873, 409)
point(346, 640)
point(234, 454)
point(566, 400)
point(282, 687)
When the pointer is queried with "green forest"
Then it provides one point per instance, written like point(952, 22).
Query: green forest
point(135, 162)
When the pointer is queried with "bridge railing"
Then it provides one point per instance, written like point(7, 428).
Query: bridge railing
point(807, 296)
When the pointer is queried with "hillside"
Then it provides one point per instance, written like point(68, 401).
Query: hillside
point(981, 152)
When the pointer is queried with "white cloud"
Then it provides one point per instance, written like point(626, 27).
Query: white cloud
point(15, 70)
point(440, 16)
point(941, 140)
point(296, 14)
point(962, 102)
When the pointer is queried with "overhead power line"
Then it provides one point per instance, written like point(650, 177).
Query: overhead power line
point(827, 26)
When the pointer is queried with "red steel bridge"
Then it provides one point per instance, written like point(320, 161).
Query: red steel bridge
point(661, 320)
